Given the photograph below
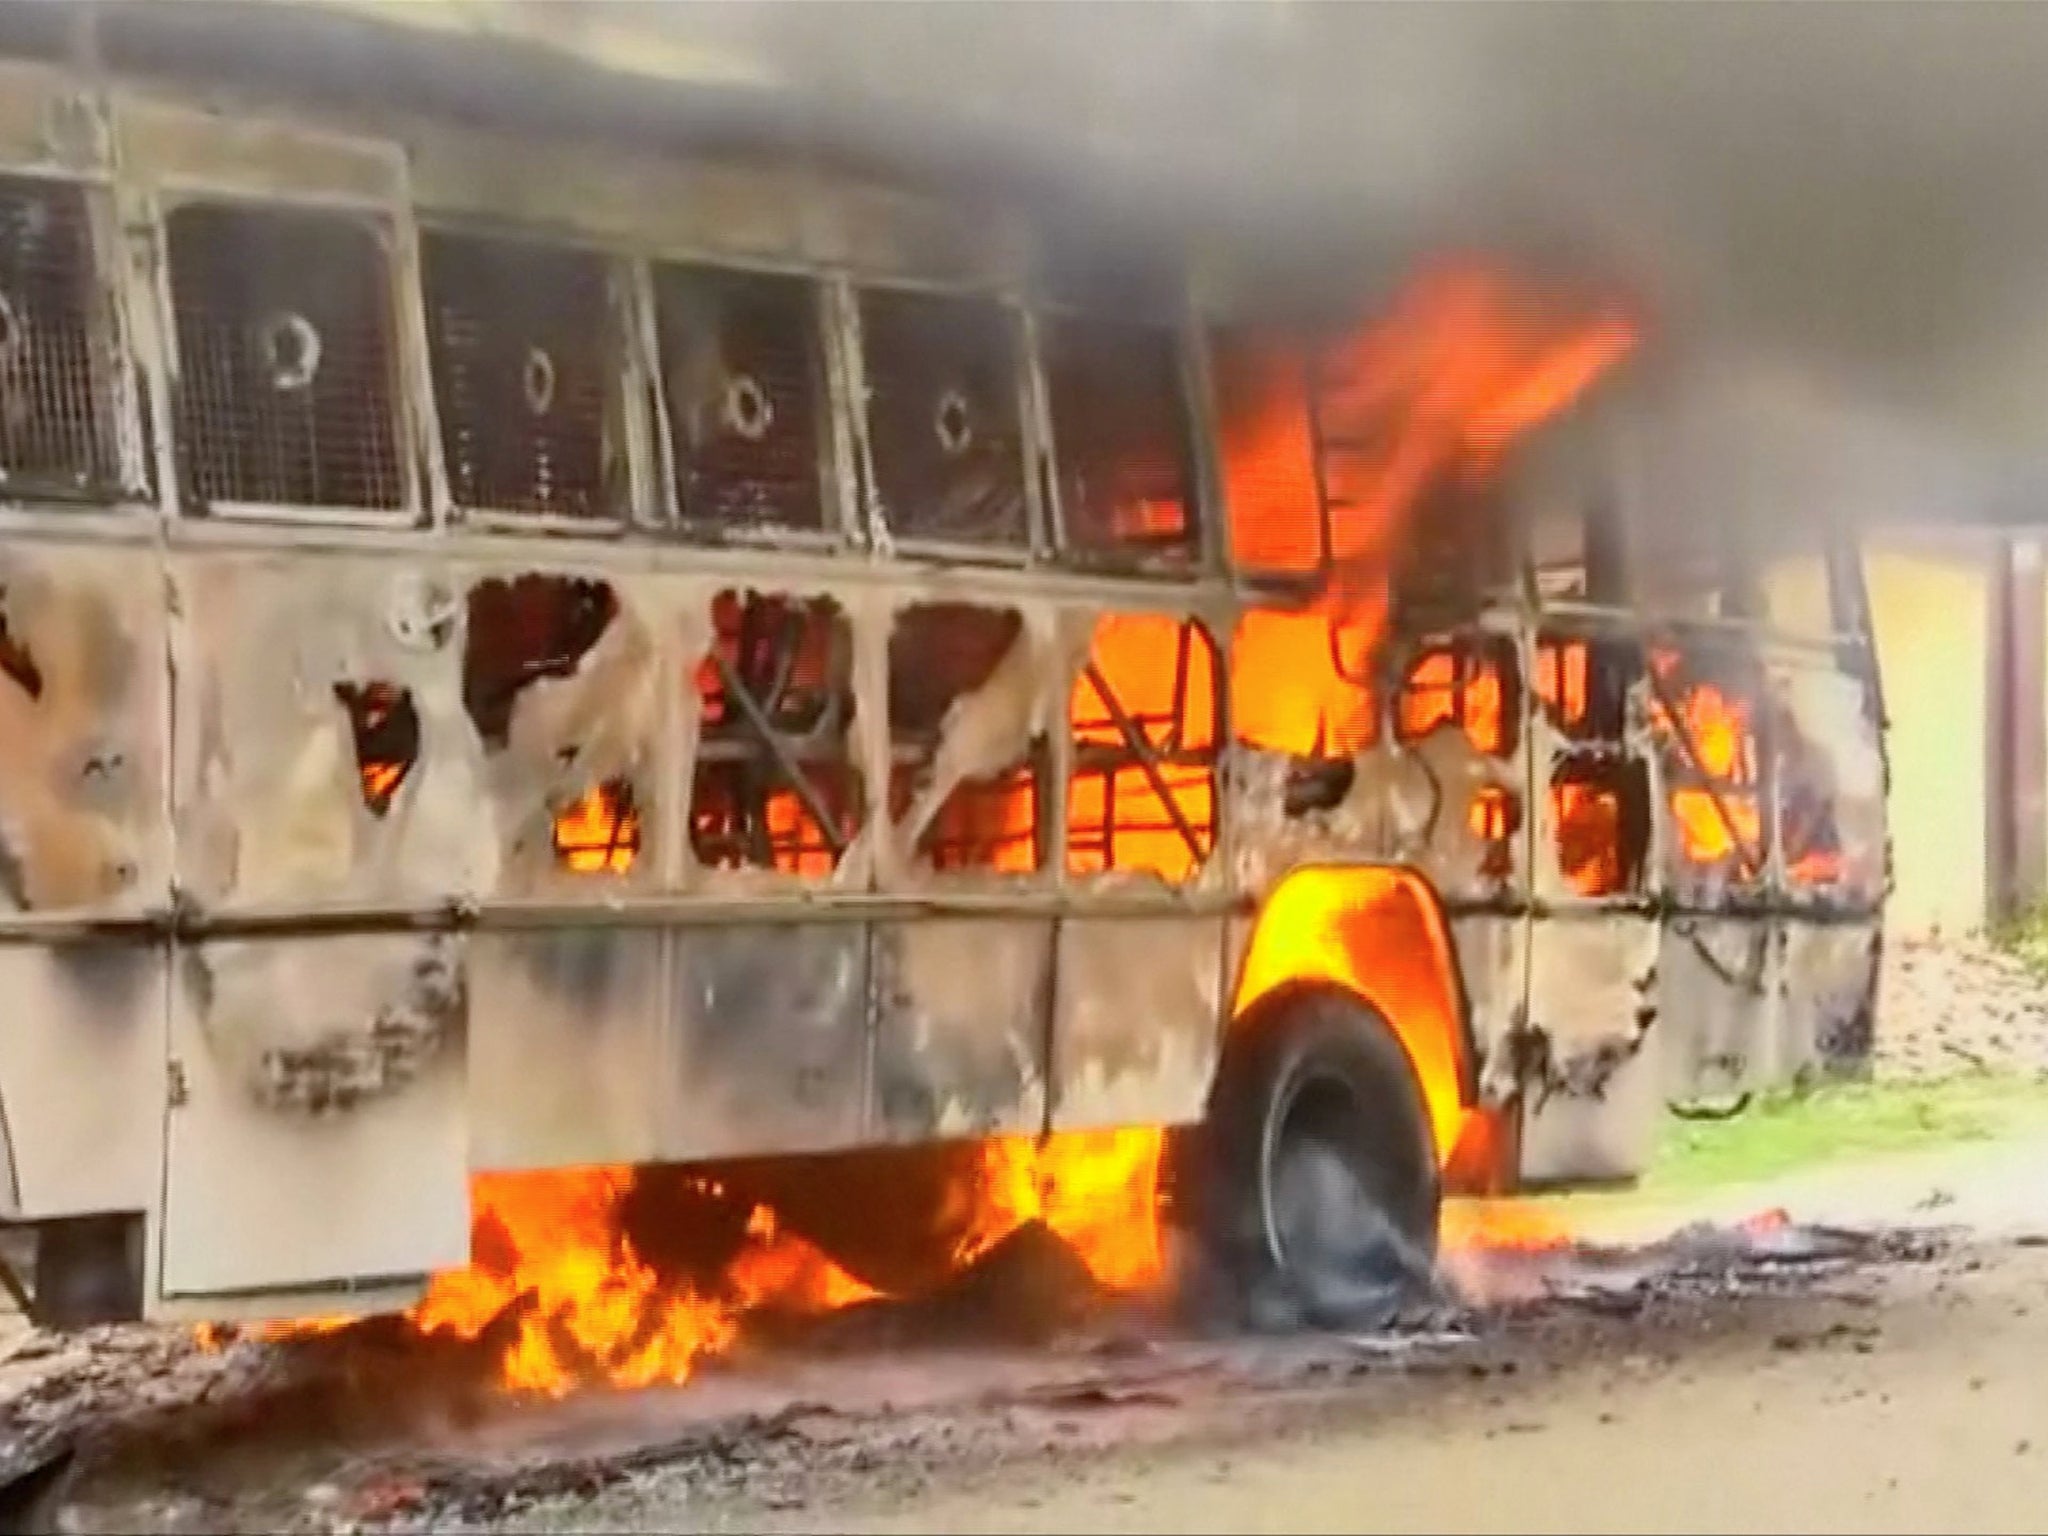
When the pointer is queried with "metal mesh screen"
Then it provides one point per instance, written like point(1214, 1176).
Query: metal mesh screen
point(944, 427)
point(287, 388)
point(56, 420)
point(523, 373)
point(744, 382)
point(1120, 439)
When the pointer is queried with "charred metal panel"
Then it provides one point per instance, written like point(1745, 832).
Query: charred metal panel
point(1452, 812)
point(82, 731)
point(1828, 1001)
point(1440, 793)
point(960, 1027)
point(870, 228)
point(324, 752)
point(165, 143)
point(317, 1129)
point(567, 1053)
point(770, 1043)
point(1590, 1089)
point(566, 682)
point(1137, 1020)
point(48, 122)
point(81, 1077)
point(744, 211)
point(657, 203)
point(1493, 967)
point(1570, 1138)
point(1718, 1013)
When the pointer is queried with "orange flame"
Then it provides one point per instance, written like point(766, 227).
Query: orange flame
point(1466, 365)
point(1099, 1190)
point(550, 1251)
point(599, 833)
point(1720, 819)
point(555, 1268)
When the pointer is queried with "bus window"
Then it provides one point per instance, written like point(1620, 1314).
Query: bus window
point(525, 362)
point(58, 428)
point(1703, 716)
point(941, 656)
point(945, 432)
point(1143, 723)
point(287, 375)
point(519, 634)
point(743, 382)
point(1121, 444)
point(1599, 789)
point(775, 785)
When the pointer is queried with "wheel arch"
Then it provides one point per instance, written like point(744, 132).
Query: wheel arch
point(1377, 932)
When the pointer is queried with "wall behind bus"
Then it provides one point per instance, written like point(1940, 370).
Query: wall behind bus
point(1932, 608)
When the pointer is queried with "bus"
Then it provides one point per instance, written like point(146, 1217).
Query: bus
point(533, 653)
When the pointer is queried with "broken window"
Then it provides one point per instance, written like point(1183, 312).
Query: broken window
point(385, 726)
point(944, 660)
point(56, 422)
point(945, 431)
point(524, 372)
point(743, 381)
point(1144, 718)
point(1121, 441)
point(1266, 441)
point(1469, 683)
point(1295, 688)
point(1598, 787)
point(287, 385)
point(544, 626)
point(1702, 713)
point(776, 786)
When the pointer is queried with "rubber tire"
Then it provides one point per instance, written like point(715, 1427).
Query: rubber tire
point(1317, 1073)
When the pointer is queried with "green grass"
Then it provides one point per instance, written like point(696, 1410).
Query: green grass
point(1791, 1132)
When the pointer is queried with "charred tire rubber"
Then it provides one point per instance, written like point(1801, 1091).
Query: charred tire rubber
point(1319, 1187)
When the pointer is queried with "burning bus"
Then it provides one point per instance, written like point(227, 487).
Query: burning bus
point(563, 696)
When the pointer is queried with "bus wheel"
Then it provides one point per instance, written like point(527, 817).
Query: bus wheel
point(1319, 1189)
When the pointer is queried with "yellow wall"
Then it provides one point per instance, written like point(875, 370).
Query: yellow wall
point(1932, 616)
point(1931, 610)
